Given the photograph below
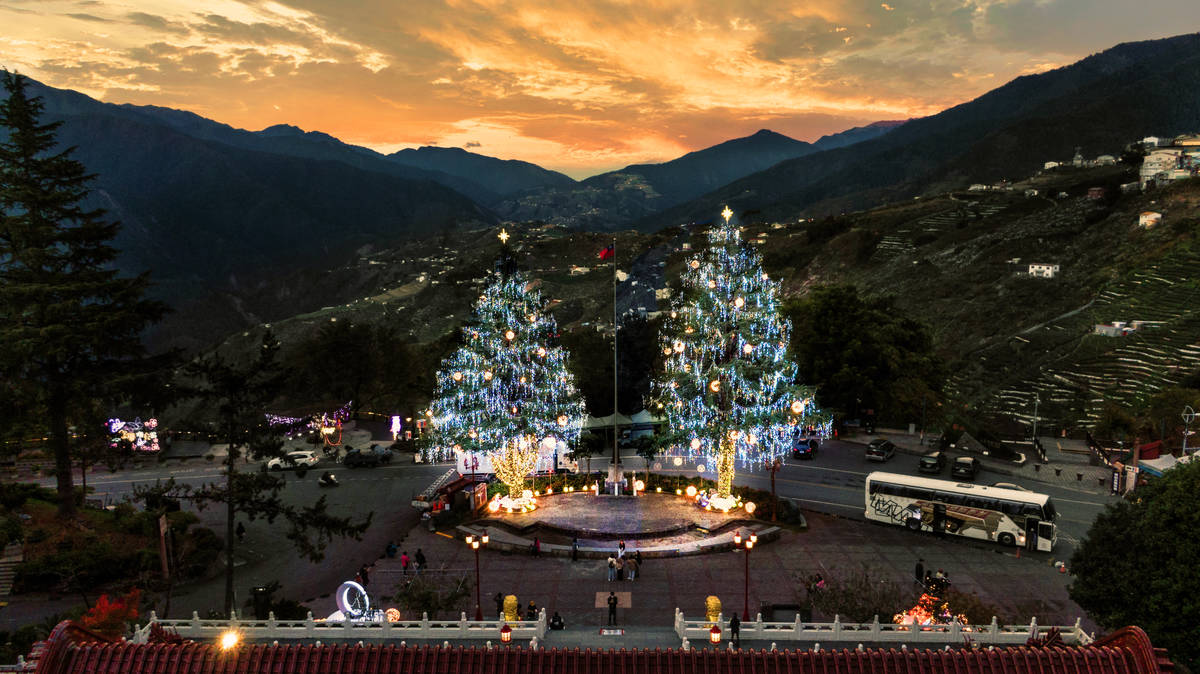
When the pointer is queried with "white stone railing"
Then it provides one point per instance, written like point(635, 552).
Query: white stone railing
point(310, 629)
point(838, 632)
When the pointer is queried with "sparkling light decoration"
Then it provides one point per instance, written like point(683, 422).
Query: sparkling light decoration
point(140, 436)
point(728, 394)
point(507, 385)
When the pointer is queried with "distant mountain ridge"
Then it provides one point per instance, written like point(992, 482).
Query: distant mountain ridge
point(206, 206)
point(1100, 103)
point(612, 200)
point(501, 176)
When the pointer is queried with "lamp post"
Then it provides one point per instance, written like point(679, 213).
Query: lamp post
point(475, 542)
point(747, 543)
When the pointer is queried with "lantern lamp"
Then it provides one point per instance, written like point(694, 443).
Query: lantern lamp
point(714, 634)
point(505, 634)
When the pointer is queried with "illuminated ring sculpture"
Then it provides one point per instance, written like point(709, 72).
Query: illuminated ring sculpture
point(352, 600)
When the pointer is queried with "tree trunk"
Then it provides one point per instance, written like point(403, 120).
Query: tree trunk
point(725, 458)
point(60, 440)
point(230, 461)
point(774, 498)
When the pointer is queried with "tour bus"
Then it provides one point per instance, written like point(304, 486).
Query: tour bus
point(1006, 516)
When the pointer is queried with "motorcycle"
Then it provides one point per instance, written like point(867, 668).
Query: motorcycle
point(328, 480)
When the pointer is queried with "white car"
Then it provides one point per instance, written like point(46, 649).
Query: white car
point(303, 458)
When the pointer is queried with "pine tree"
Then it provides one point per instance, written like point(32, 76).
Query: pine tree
point(507, 388)
point(235, 396)
point(728, 388)
point(70, 327)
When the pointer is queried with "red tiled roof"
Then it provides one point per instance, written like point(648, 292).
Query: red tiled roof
point(1127, 651)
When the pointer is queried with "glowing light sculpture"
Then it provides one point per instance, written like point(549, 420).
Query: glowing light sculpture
point(729, 394)
point(507, 385)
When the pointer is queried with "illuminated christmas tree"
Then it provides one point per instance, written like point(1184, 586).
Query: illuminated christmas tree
point(728, 389)
point(506, 391)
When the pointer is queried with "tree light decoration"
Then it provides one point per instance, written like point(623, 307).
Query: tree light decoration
point(504, 388)
point(727, 395)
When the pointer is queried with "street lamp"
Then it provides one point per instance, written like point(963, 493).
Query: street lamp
point(747, 543)
point(475, 542)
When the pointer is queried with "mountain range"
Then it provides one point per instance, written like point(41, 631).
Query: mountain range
point(215, 211)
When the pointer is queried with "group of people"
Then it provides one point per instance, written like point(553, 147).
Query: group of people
point(622, 566)
point(933, 582)
point(416, 562)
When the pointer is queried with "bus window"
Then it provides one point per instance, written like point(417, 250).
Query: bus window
point(1031, 510)
point(1048, 511)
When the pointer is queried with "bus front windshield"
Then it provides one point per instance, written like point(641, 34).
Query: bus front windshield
point(1048, 511)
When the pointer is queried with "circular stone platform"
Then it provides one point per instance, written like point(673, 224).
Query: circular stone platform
point(598, 518)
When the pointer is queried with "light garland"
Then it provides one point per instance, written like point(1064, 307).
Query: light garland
point(728, 388)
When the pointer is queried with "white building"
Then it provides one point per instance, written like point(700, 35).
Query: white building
point(1043, 270)
point(1150, 141)
point(1149, 219)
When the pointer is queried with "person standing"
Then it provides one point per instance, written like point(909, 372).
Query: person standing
point(240, 531)
point(404, 562)
point(574, 549)
point(420, 559)
point(631, 566)
point(919, 571)
point(638, 556)
point(612, 567)
point(620, 568)
point(612, 608)
point(735, 628)
point(537, 547)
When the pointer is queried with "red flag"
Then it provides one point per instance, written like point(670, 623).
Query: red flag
point(608, 252)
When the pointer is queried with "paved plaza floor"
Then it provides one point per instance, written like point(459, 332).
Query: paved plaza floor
point(1025, 587)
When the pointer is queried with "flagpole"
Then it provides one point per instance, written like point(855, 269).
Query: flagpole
point(614, 474)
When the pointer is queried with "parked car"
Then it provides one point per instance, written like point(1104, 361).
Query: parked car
point(880, 450)
point(374, 456)
point(932, 462)
point(805, 448)
point(1010, 485)
point(965, 467)
point(304, 458)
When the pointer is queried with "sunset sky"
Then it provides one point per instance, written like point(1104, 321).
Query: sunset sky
point(580, 87)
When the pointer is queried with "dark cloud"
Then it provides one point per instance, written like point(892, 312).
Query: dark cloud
point(156, 22)
point(88, 17)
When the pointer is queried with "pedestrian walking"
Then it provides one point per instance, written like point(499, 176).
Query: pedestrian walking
point(420, 559)
point(612, 567)
point(638, 556)
point(500, 604)
point(620, 568)
point(919, 572)
point(537, 547)
point(240, 531)
point(574, 549)
point(405, 561)
point(631, 566)
point(735, 628)
point(612, 608)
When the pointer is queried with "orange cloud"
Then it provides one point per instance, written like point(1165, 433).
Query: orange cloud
point(580, 87)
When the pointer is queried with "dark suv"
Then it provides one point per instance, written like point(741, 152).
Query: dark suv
point(880, 450)
point(965, 467)
point(805, 448)
point(932, 462)
point(372, 457)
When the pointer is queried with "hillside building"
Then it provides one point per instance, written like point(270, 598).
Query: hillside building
point(1150, 141)
point(1149, 219)
point(1050, 165)
point(1043, 270)
point(1117, 328)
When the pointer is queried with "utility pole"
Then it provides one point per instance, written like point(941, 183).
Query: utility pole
point(614, 469)
point(1189, 415)
point(1036, 399)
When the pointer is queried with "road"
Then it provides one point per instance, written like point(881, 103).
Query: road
point(834, 481)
